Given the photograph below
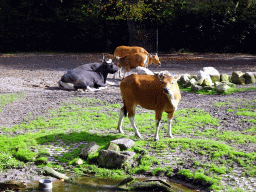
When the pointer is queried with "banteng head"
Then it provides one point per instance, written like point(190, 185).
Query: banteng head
point(109, 66)
point(169, 83)
point(155, 59)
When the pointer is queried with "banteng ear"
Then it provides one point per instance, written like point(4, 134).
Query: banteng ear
point(161, 75)
point(176, 78)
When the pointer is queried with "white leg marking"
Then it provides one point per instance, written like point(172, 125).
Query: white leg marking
point(157, 129)
point(170, 127)
point(134, 127)
point(66, 85)
point(120, 122)
point(111, 83)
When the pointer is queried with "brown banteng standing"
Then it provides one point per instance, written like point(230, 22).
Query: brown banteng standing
point(121, 51)
point(134, 60)
point(159, 92)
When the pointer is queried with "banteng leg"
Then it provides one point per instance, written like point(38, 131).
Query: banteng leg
point(134, 127)
point(120, 122)
point(158, 120)
point(131, 114)
point(170, 116)
point(157, 129)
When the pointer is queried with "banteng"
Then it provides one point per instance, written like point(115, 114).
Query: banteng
point(159, 92)
point(89, 76)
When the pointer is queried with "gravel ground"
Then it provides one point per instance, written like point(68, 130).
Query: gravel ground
point(37, 76)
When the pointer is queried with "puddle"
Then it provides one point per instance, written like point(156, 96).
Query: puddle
point(92, 185)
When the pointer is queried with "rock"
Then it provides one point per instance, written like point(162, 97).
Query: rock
point(89, 149)
point(12, 184)
point(202, 76)
point(224, 78)
point(222, 88)
point(249, 78)
point(150, 185)
point(115, 159)
point(189, 83)
point(238, 77)
point(113, 147)
point(193, 77)
point(79, 162)
point(211, 71)
point(207, 82)
point(231, 85)
point(183, 79)
point(207, 88)
point(196, 88)
point(215, 78)
point(124, 143)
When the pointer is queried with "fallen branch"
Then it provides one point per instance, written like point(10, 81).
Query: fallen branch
point(56, 174)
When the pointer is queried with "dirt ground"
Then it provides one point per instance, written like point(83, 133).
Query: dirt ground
point(37, 75)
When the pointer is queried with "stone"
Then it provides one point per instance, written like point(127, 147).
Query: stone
point(207, 88)
point(207, 82)
point(193, 77)
point(249, 78)
point(238, 77)
point(115, 159)
point(196, 88)
point(183, 79)
point(231, 85)
point(224, 78)
point(124, 143)
point(202, 76)
point(215, 78)
point(79, 162)
point(189, 83)
point(113, 147)
point(89, 149)
point(211, 71)
point(222, 88)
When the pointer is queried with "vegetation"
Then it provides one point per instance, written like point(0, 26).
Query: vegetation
point(190, 25)
point(196, 132)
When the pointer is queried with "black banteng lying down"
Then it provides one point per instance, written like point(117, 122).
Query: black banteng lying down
point(89, 77)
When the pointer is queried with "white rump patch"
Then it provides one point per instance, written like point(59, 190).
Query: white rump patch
point(142, 71)
point(109, 61)
point(112, 83)
point(94, 89)
point(66, 85)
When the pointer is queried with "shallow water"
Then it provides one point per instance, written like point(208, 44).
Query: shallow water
point(91, 185)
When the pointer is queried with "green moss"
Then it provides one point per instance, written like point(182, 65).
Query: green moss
point(186, 173)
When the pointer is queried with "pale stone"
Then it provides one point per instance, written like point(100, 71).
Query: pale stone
point(89, 149)
point(124, 143)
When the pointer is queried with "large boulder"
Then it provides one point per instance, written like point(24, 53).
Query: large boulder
point(124, 143)
point(249, 78)
point(238, 77)
point(115, 159)
point(211, 72)
point(202, 76)
point(89, 149)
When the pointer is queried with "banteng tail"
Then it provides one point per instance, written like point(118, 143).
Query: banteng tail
point(125, 111)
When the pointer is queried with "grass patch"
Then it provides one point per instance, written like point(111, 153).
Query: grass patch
point(5, 99)
point(73, 123)
point(214, 92)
